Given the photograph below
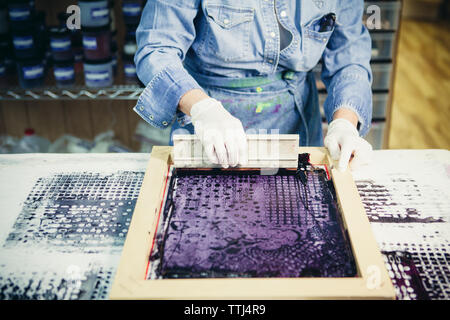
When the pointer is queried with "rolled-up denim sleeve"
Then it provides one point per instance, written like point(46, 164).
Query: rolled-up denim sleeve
point(164, 35)
point(346, 68)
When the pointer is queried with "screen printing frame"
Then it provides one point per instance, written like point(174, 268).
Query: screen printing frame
point(372, 282)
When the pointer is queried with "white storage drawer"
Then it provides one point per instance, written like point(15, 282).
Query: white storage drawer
point(381, 75)
point(382, 45)
point(379, 101)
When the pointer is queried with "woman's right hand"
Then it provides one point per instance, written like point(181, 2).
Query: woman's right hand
point(222, 135)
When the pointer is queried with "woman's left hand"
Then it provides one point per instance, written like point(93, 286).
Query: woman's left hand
point(343, 141)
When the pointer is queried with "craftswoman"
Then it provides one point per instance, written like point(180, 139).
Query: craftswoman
point(224, 68)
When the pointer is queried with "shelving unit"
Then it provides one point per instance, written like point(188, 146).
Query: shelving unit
point(119, 92)
point(384, 48)
point(24, 105)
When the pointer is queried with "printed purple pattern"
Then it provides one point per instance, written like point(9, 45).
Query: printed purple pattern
point(242, 224)
point(405, 276)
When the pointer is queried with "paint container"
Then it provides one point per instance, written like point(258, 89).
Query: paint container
point(60, 43)
point(131, 11)
point(24, 43)
point(97, 43)
point(20, 12)
point(94, 13)
point(31, 72)
point(64, 73)
point(130, 46)
point(129, 70)
point(98, 73)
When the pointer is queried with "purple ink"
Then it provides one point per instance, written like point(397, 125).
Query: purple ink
point(405, 275)
point(243, 224)
point(277, 108)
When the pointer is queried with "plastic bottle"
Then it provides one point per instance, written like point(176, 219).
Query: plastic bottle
point(31, 143)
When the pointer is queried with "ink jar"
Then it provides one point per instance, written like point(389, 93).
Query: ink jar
point(64, 73)
point(129, 69)
point(96, 43)
point(94, 13)
point(24, 43)
point(131, 11)
point(130, 46)
point(60, 43)
point(20, 12)
point(98, 73)
point(30, 72)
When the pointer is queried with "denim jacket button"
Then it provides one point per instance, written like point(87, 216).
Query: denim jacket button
point(151, 117)
point(164, 123)
point(141, 108)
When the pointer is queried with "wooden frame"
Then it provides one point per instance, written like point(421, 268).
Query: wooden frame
point(372, 282)
point(264, 151)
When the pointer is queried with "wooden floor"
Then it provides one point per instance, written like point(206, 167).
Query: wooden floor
point(421, 96)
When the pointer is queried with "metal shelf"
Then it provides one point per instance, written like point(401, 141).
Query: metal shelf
point(119, 92)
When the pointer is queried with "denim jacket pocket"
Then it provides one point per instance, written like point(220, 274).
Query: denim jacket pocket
point(229, 31)
point(314, 43)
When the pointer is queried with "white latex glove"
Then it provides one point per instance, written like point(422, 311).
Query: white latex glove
point(343, 140)
point(222, 135)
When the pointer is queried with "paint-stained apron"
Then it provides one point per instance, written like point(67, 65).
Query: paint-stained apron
point(286, 101)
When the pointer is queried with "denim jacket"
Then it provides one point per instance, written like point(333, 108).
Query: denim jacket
point(240, 38)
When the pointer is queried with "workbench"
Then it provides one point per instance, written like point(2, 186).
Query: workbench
point(64, 219)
